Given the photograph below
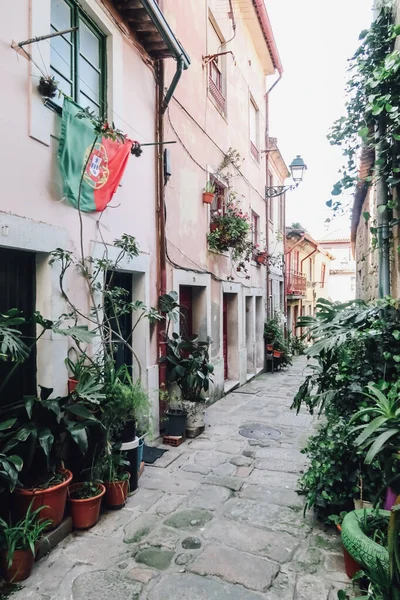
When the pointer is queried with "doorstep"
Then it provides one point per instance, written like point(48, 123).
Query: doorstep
point(230, 384)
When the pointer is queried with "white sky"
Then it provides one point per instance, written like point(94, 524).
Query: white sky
point(314, 38)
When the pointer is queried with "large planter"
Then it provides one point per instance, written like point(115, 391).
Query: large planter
point(195, 414)
point(116, 494)
point(175, 423)
point(85, 512)
point(53, 499)
point(367, 553)
point(21, 566)
point(127, 433)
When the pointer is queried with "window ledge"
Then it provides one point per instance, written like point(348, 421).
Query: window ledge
point(222, 113)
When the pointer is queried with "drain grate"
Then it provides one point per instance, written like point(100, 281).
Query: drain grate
point(258, 431)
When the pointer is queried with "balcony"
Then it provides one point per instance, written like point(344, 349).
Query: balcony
point(296, 284)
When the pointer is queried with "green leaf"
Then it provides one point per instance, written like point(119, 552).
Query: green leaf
point(381, 208)
point(46, 440)
point(7, 424)
point(396, 334)
point(29, 402)
point(396, 358)
point(81, 411)
point(378, 444)
point(79, 435)
point(366, 216)
point(370, 429)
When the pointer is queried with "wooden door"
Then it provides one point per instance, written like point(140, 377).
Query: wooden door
point(225, 334)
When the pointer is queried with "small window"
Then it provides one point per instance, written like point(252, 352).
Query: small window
point(254, 130)
point(323, 272)
point(216, 83)
point(219, 198)
point(78, 59)
point(255, 226)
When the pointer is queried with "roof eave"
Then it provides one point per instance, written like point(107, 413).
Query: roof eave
point(266, 28)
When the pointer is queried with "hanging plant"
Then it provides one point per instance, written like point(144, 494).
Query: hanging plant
point(48, 86)
point(230, 230)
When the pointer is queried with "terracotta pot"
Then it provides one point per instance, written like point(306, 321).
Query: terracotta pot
point(270, 347)
point(21, 566)
point(72, 383)
point(85, 512)
point(116, 493)
point(208, 197)
point(213, 227)
point(261, 258)
point(277, 354)
point(351, 566)
point(52, 498)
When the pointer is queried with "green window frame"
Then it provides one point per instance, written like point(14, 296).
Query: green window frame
point(78, 58)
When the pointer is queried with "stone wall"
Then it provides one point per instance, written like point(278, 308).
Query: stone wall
point(366, 258)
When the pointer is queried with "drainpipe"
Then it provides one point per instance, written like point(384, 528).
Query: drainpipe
point(160, 216)
point(383, 233)
point(301, 271)
point(170, 92)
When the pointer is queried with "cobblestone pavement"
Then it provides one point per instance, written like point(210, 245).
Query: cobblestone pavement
point(217, 518)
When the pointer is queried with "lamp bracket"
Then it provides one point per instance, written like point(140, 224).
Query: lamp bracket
point(210, 57)
point(278, 190)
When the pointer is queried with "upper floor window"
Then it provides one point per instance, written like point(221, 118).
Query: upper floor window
point(216, 81)
point(255, 226)
point(254, 130)
point(219, 198)
point(323, 272)
point(78, 59)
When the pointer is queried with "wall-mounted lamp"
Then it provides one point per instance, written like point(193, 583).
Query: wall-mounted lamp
point(297, 169)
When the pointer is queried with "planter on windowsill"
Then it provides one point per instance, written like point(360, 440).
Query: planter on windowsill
point(213, 227)
point(261, 258)
point(48, 87)
point(208, 197)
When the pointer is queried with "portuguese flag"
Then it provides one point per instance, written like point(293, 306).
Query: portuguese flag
point(103, 163)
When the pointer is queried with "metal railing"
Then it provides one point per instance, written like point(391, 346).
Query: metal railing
point(296, 284)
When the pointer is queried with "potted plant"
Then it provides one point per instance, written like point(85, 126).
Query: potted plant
point(48, 86)
point(112, 470)
point(17, 544)
point(84, 499)
point(40, 430)
point(188, 366)
point(209, 193)
point(75, 368)
point(127, 404)
point(174, 420)
point(261, 256)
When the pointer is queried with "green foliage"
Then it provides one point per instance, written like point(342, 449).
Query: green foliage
point(372, 110)
point(111, 466)
point(375, 526)
point(273, 334)
point(188, 366)
point(24, 534)
point(11, 345)
point(87, 489)
point(39, 429)
point(125, 401)
point(353, 344)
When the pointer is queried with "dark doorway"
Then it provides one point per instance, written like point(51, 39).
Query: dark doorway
point(18, 290)
point(186, 310)
point(122, 324)
point(225, 334)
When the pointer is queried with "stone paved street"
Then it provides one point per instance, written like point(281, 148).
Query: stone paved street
point(217, 518)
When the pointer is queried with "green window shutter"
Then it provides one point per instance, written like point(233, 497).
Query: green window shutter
point(78, 59)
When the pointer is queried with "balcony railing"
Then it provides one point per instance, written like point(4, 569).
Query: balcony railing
point(296, 284)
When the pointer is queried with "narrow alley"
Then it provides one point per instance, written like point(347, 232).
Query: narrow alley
point(216, 518)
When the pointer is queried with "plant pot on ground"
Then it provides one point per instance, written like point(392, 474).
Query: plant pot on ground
point(38, 433)
point(175, 422)
point(84, 500)
point(195, 413)
point(188, 366)
point(18, 544)
point(111, 469)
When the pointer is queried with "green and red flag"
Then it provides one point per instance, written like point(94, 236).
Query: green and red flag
point(102, 161)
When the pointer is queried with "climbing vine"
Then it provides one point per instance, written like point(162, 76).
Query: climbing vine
point(373, 109)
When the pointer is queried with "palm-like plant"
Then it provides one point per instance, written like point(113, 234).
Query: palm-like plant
point(383, 432)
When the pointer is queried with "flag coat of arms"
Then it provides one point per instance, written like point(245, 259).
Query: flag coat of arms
point(101, 160)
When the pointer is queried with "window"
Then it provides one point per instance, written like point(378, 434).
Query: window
point(216, 83)
point(255, 226)
point(281, 213)
point(219, 199)
point(78, 59)
point(254, 130)
point(323, 271)
point(18, 290)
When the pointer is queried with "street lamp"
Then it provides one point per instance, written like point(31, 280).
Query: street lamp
point(297, 168)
